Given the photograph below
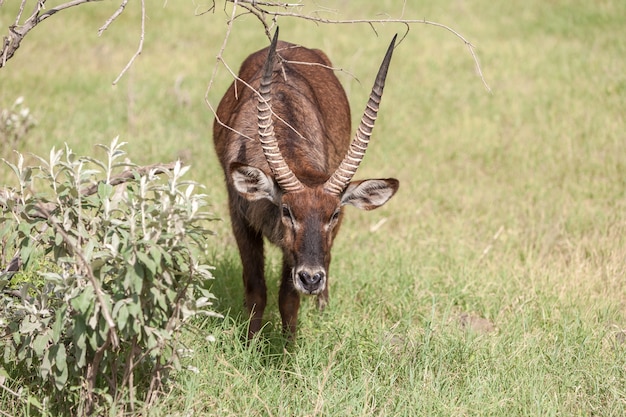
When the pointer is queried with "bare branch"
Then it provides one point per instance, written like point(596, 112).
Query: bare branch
point(261, 9)
point(218, 59)
point(19, 13)
point(129, 175)
point(273, 4)
point(58, 8)
point(210, 9)
point(113, 17)
point(141, 38)
point(17, 32)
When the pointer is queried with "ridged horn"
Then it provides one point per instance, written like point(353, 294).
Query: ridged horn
point(340, 179)
point(285, 178)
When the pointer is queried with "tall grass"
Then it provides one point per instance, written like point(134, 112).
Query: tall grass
point(492, 284)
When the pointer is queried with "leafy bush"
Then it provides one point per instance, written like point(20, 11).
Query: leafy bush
point(15, 122)
point(109, 274)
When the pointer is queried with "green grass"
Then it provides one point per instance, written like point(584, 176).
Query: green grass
point(511, 210)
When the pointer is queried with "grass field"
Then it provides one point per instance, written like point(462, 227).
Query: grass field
point(491, 285)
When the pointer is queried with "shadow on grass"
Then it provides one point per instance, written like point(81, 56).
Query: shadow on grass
point(227, 285)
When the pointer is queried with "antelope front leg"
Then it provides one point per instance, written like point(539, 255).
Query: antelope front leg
point(255, 305)
point(255, 289)
point(252, 259)
point(288, 304)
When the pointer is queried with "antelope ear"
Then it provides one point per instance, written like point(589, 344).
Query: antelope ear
point(369, 194)
point(253, 183)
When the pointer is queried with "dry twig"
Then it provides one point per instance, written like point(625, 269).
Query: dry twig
point(18, 31)
point(260, 10)
point(141, 37)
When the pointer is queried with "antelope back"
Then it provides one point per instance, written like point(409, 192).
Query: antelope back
point(310, 107)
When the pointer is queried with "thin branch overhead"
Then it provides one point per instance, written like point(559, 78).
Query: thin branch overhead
point(274, 10)
point(267, 12)
point(141, 37)
point(18, 31)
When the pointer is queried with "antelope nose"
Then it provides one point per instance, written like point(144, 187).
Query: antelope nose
point(311, 280)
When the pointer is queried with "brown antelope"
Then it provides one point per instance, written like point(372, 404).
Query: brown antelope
point(282, 135)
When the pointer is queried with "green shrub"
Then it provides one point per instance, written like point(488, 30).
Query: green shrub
point(15, 122)
point(110, 271)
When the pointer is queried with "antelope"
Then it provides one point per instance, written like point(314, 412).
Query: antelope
point(282, 136)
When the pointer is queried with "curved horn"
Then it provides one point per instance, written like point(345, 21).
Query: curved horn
point(346, 170)
point(285, 178)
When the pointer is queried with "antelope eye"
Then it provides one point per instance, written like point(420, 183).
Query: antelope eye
point(335, 216)
point(286, 212)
